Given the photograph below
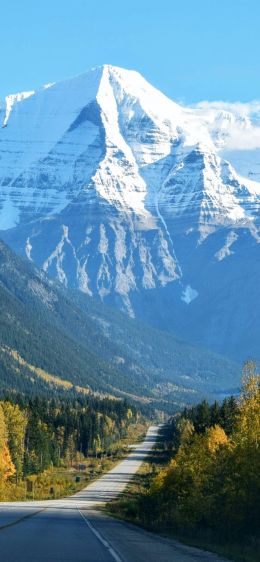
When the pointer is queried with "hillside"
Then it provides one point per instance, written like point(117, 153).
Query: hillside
point(51, 338)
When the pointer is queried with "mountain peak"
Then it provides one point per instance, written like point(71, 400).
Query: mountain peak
point(113, 188)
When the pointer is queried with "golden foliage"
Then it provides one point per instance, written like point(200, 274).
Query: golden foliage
point(7, 467)
point(47, 377)
point(215, 438)
point(248, 423)
point(214, 480)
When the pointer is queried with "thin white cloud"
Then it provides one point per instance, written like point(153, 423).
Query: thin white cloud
point(242, 132)
point(243, 108)
point(244, 139)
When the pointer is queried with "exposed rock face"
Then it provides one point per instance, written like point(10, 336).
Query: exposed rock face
point(115, 189)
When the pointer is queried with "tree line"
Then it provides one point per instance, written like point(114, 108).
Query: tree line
point(36, 433)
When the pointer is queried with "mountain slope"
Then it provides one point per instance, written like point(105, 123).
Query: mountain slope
point(114, 189)
point(49, 332)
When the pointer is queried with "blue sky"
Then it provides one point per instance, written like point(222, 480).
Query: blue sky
point(190, 49)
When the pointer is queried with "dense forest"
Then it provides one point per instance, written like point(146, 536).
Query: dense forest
point(38, 433)
point(209, 491)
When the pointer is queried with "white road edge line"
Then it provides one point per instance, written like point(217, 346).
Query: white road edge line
point(105, 543)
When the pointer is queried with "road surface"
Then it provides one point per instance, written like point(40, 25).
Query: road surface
point(73, 530)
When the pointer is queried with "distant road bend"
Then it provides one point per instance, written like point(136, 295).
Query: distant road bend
point(73, 530)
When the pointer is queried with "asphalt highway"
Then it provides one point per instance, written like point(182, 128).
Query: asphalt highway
point(74, 530)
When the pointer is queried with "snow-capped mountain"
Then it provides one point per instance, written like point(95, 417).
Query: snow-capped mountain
point(119, 191)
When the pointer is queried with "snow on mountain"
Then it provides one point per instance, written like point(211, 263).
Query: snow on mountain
point(13, 99)
point(115, 189)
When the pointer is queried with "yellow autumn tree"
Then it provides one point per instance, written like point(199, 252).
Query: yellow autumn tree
point(248, 421)
point(16, 421)
point(213, 481)
point(7, 467)
point(185, 486)
point(243, 490)
point(215, 438)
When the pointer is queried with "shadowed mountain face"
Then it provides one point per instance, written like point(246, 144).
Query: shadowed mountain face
point(56, 340)
point(115, 190)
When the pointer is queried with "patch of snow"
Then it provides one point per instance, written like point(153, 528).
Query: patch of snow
point(28, 249)
point(58, 256)
point(128, 306)
point(104, 282)
point(226, 251)
point(149, 271)
point(189, 294)
point(11, 100)
point(103, 242)
point(171, 268)
point(49, 85)
point(82, 276)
